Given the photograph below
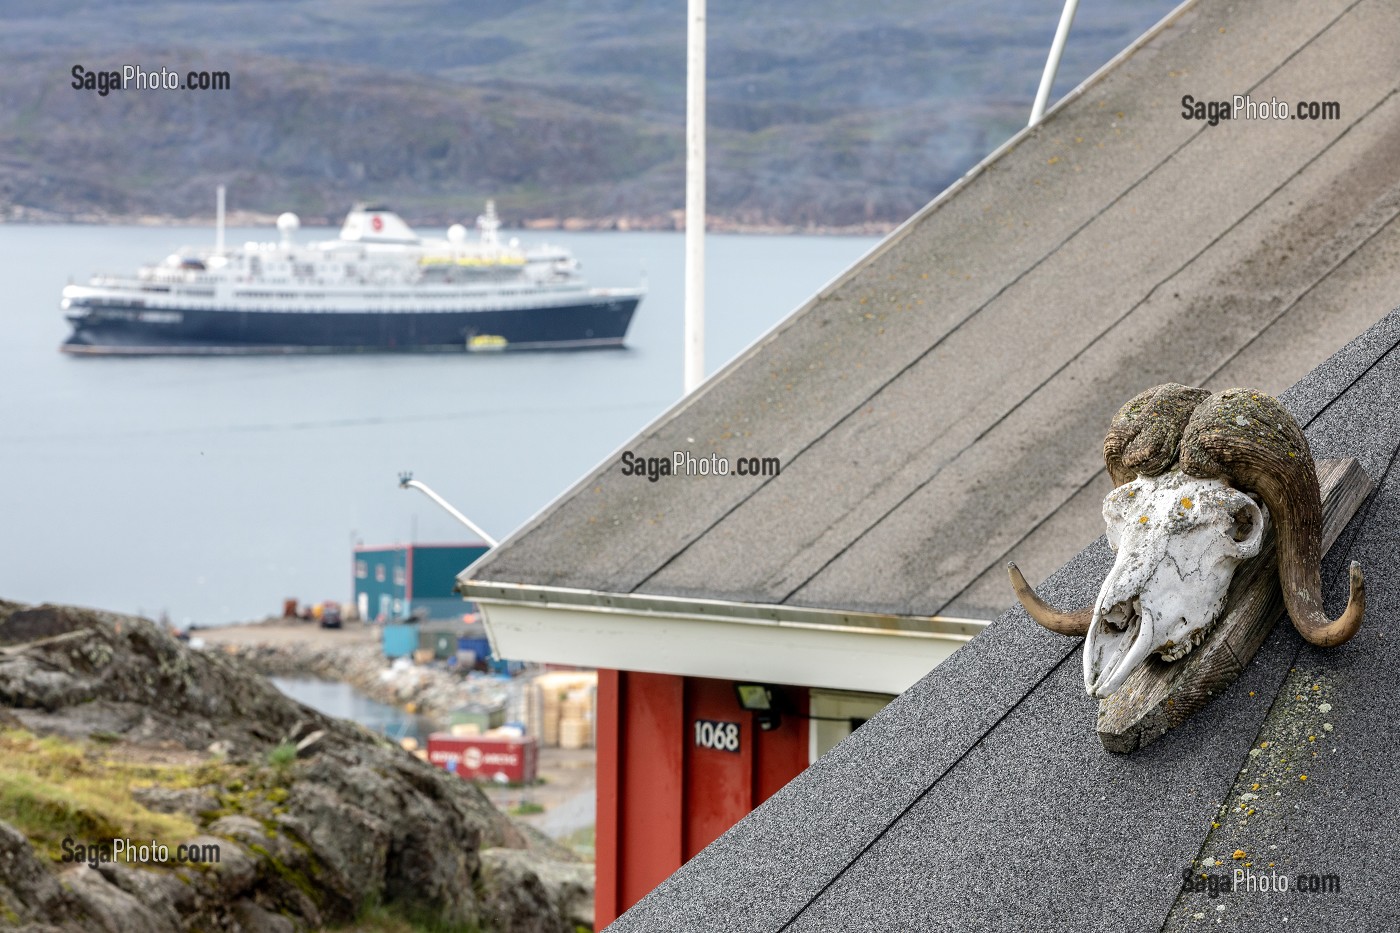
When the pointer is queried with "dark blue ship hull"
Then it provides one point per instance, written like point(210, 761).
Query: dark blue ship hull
point(113, 328)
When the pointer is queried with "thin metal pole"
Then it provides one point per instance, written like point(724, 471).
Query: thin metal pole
point(407, 481)
point(695, 197)
point(219, 223)
point(1052, 64)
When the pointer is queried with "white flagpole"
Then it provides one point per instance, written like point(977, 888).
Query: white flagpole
point(1052, 64)
point(695, 198)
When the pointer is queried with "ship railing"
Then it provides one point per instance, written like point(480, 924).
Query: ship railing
point(113, 280)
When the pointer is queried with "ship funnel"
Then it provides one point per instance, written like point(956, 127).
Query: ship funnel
point(376, 224)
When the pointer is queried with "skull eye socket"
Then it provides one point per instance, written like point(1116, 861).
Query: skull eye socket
point(1243, 523)
point(1248, 523)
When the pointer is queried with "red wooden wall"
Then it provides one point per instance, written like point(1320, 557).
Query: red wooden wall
point(662, 798)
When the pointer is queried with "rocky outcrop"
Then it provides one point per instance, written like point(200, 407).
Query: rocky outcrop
point(432, 690)
point(531, 895)
point(78, 671)
point(314, 818)
point(27, 888)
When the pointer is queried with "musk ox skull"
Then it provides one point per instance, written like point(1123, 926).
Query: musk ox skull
point(1197, 478)
point(1179, 540)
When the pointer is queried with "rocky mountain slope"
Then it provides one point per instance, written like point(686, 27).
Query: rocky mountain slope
point(111, 729)
point(820, 112)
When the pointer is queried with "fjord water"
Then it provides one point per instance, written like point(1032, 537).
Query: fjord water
point(213, 488)
point(343, 701)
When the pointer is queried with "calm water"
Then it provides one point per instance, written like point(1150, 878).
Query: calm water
point(212, 489)
point(345, 702)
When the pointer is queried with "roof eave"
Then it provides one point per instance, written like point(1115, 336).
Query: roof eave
point(715, 638)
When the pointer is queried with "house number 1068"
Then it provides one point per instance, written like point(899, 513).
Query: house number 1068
point(721, 736)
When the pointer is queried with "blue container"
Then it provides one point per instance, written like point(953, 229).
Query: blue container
point(400, 641)
point(480, 646)
point(506, 668)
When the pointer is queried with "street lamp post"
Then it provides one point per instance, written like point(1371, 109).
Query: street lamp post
point(406, 481)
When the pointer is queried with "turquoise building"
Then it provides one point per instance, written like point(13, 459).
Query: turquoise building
point(401, 582)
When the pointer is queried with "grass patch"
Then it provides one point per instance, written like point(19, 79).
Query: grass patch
point(526, 808)
point(52, 788)
point(283, 756)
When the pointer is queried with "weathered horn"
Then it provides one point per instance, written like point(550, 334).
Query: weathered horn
point(1143, 438)
point(1251, 441)
point(1066, 623)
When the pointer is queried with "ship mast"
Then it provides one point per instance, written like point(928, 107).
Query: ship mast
point(488, 223)
point(219, 222)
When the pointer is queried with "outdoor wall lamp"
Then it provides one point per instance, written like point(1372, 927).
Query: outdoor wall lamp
point(759, 699)
point(769, 703)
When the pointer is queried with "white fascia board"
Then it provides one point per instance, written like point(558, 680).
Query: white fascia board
point(708, 638)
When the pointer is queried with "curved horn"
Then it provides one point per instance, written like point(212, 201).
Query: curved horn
point(1250, 440)
point(1066, 623)
point(1143, 437)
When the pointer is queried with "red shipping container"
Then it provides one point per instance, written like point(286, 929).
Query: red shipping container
point(486, 757)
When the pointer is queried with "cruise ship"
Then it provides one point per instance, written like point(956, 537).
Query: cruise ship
point(377, 287)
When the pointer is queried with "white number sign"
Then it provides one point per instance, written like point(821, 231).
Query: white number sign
point(721, 736)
